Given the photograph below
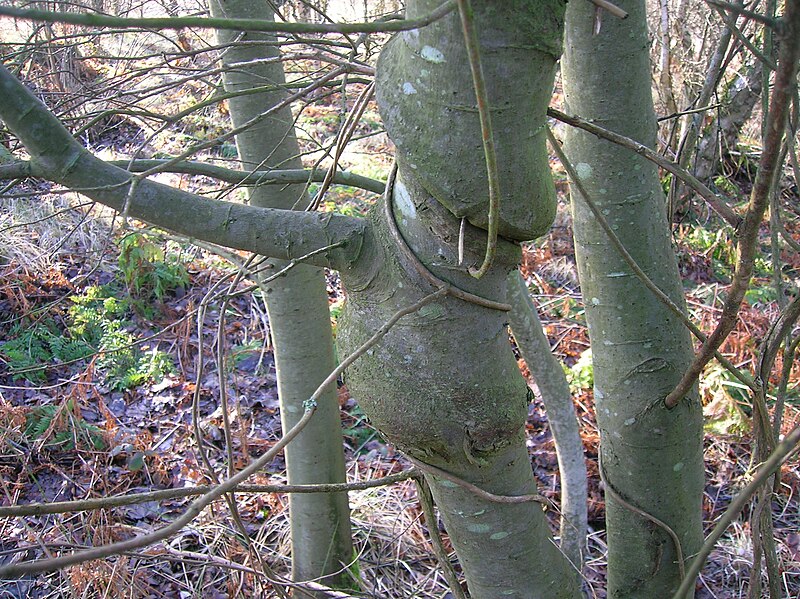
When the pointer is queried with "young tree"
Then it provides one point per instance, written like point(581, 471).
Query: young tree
point(651, 457)
point(297, 304)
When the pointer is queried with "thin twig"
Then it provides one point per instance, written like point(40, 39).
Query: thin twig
point(240, 177)
point(717, 203)
point(765, 471)
point(342, 140)
point(230, 498)
point(83, 505)
point(165, 166)
point(431, 521)
point(773, 23)
point(484, 115)
point(780, 399)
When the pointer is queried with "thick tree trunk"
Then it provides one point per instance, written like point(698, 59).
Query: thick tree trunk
point(443, 384)
point(297, 305)
point(651, 456)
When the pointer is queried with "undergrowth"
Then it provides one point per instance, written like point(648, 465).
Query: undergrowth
point(96, 326)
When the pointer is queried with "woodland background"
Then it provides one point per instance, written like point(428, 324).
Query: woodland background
point(102, 321)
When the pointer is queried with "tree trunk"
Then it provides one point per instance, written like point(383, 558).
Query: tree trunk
point(535, 349)
point(651, 456)
point(443, 385)
point(298, 311)
point(739, 99)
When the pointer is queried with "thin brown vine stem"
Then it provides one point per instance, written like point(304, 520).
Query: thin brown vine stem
point(634, 266)
point(715, 202)
point(432, 522)
point(25, 568)
point(609, 488)
point(419, 266)
point(83, 505)
point(346, 133)
point(764, 472)
point(777, 118)
point(482, 493)
point(467, 16)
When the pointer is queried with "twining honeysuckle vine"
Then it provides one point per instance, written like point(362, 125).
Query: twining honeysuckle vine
point(487, 135)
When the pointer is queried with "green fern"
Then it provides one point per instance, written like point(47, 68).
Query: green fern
point(64, 349)
point(66, 429)
point(27, 349)
point(147, 270)
point(39, 420)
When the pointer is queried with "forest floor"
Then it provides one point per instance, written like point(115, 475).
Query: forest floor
point(100, 342)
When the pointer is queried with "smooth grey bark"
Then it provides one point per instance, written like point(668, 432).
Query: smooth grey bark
point(445, 388)
point(444, 385)
point(57, 156)
point(554, 388)
point(651, 456)
point(297, 306)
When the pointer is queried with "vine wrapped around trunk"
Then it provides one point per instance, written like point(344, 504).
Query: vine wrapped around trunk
point(444, 385)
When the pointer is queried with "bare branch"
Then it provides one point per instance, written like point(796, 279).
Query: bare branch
point(718, 204)
point(58, 157)
point(83, 505)
point(785, 82)
point(264, 25)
